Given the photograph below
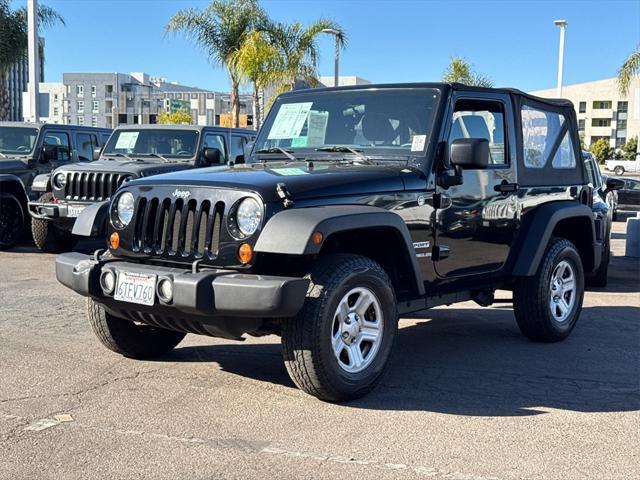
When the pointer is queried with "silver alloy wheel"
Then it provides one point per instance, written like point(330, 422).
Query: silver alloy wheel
point(562, 291)
point(357, 330)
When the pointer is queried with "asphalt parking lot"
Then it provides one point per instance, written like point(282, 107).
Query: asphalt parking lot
point(466, 397)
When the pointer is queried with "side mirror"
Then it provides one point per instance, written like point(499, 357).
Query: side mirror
point(614, 184)
point(212, 156)
point(96, 153)
point(49, 153)
point(247, 149)
point(470, 153)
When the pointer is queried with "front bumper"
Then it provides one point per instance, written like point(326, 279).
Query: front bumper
point(53, 211)
point(200, 295)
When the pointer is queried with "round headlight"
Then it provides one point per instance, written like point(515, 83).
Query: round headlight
point(248, 216)
point(60, 180)
point(124, 208)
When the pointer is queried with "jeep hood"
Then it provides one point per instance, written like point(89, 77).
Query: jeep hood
point(324, 179)
point(133, 167)
point(10, 165)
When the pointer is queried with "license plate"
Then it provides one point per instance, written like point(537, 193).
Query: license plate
point(74, 211)
point(136, 288)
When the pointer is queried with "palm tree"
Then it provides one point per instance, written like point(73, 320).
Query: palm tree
point(220, 29)
point(629, 69)
point(14, 41)
point(259, 63)
point(298, 49)
point(460, 71)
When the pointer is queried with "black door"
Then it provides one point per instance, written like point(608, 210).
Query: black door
point(478, 226)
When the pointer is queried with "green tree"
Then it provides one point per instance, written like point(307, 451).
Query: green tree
point(179, 117)
point(461, 71)
point(629, 69)
point(258, 62)
point(601, 150)
point(298, 49)
point(220, 29)
point(14, 41)
point(630, 149)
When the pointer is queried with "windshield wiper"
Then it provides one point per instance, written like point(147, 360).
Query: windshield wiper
point(157, 155)
point(345, 149)
point(3, 155)
point(286, 153)
point(118, 154)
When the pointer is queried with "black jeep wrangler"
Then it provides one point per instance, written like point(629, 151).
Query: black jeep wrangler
point(31, 149)
point(357, 205)
point(131, 152)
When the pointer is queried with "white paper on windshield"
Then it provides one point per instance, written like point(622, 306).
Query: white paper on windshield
point(289, 120)
point(127, 140)
point(317, 128)
point(418, 142)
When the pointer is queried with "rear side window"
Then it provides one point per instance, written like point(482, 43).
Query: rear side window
point(541, 130)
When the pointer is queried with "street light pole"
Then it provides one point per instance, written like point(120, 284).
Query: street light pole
point(562, 24)
point(34, 61)
point(336, 73)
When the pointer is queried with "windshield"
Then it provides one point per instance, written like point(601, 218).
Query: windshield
point(153, 143)
point(17, 140)
point(377, 122)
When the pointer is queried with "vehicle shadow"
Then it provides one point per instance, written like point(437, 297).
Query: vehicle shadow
point(476, 362)
point(623, 277)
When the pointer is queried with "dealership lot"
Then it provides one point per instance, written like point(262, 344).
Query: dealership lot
point(466, 397)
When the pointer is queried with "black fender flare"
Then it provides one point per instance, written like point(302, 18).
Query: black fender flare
point(92, 221)
point(289, 231)
point(537, 229)
point(7, 178)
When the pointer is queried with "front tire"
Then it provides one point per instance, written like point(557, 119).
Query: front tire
point(12, 220)
point(618, 170)
point(127, 338)
point(548, 304)
point(339, 344)
point(47, 236)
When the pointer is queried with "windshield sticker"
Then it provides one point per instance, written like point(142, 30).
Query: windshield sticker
point(418, 142)
point(127, 140)
point(317, 128)
point(289, 172)
point(289, 121)
point(299, 142)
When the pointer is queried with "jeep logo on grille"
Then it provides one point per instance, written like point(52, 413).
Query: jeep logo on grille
point(181, 193)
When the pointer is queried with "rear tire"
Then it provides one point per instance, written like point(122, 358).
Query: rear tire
point(128, 338)
point(618, 170)
point(12, 220)
point(47, 236)
point(338, 346)
point(548, 304)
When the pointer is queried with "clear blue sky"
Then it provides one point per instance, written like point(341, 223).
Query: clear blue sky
point(514, 42)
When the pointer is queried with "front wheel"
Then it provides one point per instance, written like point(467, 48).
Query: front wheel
point(12, 219)
point(619, 170)
point(47, 236)
point(337, 347)
point(127, 338)
point(548, 304)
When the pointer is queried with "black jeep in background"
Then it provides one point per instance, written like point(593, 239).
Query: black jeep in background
point(358, 205)
point(31, 149)
point(131, 152)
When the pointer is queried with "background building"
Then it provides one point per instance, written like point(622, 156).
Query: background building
point(343, 81)
point(50, 103)
point(16, 81)
point(602, 112)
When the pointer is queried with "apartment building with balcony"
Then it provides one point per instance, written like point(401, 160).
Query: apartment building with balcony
point(601, 111)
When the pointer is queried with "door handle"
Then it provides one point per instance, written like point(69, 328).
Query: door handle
point(506, 187)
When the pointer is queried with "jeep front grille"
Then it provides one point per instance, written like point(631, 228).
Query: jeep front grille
point(177, 228)
point(92, 186)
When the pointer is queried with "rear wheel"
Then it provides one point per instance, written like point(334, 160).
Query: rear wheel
point(548, 304)
point(337, 347)
point(619, 170)
point(47, 236)
point(12, 220)
point(127, 338)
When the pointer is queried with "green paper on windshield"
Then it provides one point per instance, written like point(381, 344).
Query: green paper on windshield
point(299, 142)
point(289, 172)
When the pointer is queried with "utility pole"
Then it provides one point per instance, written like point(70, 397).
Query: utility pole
point(562, 24)
point(336, 73)
point(34, 60)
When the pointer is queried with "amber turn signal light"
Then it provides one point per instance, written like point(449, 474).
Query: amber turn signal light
point(245, 253)
point(114, 240)
point(317, 238)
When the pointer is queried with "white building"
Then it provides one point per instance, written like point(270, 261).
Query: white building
point(343, 81)
point(602, 112)
point(50, 103)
